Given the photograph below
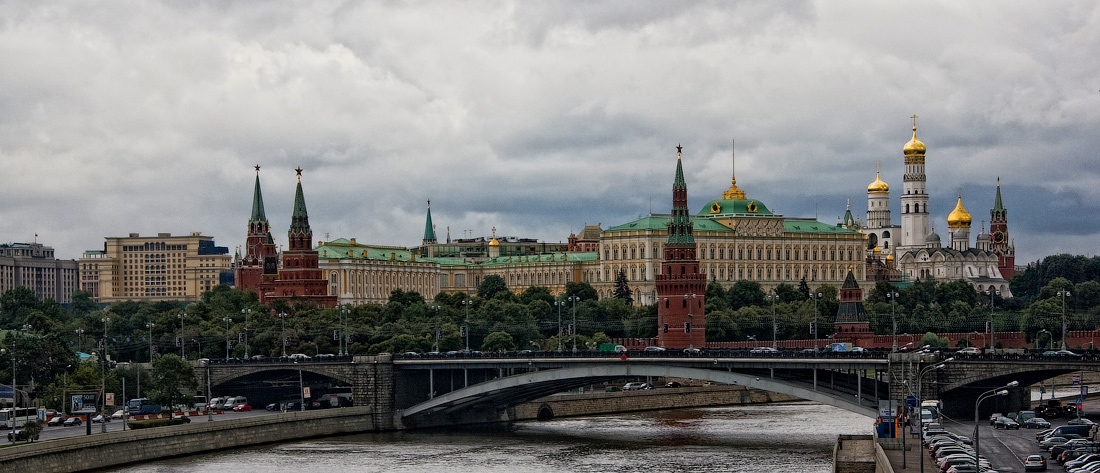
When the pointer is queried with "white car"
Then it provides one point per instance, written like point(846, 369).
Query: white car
point(763, 350)
point(120, 414)
point(298, 357)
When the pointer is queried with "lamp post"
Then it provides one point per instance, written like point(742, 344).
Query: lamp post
point(992, 328)
point(227, 319)
point(815, 296)
point(920, 397)
point(79, 339)
point(301, 388)
point(775, 325)
point(150, 326)
point(209, 413)
point(282, 337)
point(893, 295)
point(574, 300)
point(691, 318)
point(13, 391)
point(466, 303)
point(1001, 391)
point(183, 344)
point(559, 304)
point(435, 309)
point(246, 312)
point(102, 372)
point(340, 342)
point(1063, 294)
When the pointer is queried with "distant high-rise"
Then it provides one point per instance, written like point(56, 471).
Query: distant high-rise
point(164, 267)
point(33, 266)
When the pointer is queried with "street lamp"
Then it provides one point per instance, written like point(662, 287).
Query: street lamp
point(301, 387)
point(1063, 293)
point(183, 343)
point(79, 339)
point(435, 309)
point(920, 396)
point(282, 318)
point(226, 319)
point(893, 295)
point(209, 414)
point(340, 342)
point(815, 297)
point(246, 312)
point(13, 391)
point(466, 328)
point(102, 372)
point(775, 325)
point(559, 304)
point(992, 328)
point(691, 318)
point(1001, 391)
point(150, 326)
point(574, 300)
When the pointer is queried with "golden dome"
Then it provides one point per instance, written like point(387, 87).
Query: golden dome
point(959, 217)
point(494, 242)
point(878, 186)
point(890, 257)
point(877, 250)
point(914, 146)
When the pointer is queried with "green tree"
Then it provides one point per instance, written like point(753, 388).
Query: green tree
point(934, 341)
point(744, 294)
point(82, 303)
point(582, 290)
point(172, 381)
point(498, 341)
point(490, 286)
point(33, 429)
point(15, 305)
point(716, 297)
point(787, 293)
point(622, 289)
point(536, 293)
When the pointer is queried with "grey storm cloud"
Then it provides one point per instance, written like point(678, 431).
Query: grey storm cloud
point(536, 117)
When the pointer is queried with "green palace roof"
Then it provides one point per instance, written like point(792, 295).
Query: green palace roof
point(545, 258)
point(734, 207)
point(342, 248)
point(703, 223)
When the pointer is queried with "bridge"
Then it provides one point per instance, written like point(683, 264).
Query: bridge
point(411, 391)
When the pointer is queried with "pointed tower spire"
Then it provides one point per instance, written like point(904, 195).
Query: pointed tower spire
point(429, 229)
point(679, 182)
point(301, 236)
point(680, 226)
point(998, 206)
point(733, 192)
point(257, 202)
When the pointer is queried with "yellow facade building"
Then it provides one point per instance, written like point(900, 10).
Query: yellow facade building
point(154, 268)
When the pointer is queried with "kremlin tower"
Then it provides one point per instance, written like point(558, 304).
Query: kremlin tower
point(681, 288)
point(998, 235)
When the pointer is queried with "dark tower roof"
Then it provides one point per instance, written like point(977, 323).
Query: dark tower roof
point(299, 220)
point(998, 206)
point(851, 302)
point(429, 228)
point(258, 202)
point(680, 226)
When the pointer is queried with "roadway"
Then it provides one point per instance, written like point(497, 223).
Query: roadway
point(58, 432)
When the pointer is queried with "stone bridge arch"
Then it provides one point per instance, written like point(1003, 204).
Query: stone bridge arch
point(493, 401)
point(221, 374)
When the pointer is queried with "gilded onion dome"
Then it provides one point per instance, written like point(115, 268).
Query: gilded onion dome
point(890, 257)
point(959, 217)
point(879, 186)
point(914, 146)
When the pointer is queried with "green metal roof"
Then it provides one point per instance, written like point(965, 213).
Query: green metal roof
point(339, 248)
point(544, 258)
point(813, 226)
point(706, 224)
point(734, 206)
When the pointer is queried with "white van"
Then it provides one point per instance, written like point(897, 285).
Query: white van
point(234, 401)
point(216, 403)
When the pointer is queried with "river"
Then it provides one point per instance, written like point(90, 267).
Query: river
point(760, 438)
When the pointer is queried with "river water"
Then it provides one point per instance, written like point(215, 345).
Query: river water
point(760, 438)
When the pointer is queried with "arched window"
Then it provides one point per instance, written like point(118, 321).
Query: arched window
point(906, 208)
point(916, 208)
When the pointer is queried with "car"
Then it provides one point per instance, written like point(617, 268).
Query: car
point(1036, 423)
point(298, 357)
point(635, 386)
point(970, 351)
point(325, 356)
point(692, 351)
point(100, 419)
point(1080, 421)
point(55, 420)
point(258, 357)
point(242, 408)
point(75, 420)
point(994, 416)
point(933, 426)
point(672, 384)
point(1081, 460)
point(273, 407)
point(16, 435)
point(1007, 424)
point(764, 350)
point(120, 414)
point(857, 350)
point(1060, 354)
point(620, 349)
point(182, 417)
point(1091, 466)
point(1052, 441)
point(653, 349)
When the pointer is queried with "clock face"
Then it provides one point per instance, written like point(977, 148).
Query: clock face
point(998, 237)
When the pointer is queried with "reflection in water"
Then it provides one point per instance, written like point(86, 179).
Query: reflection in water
point(763, 438)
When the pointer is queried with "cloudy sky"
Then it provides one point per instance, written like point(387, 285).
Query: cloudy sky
point(537, 117)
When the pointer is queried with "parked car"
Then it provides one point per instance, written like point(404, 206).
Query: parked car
point(764, 350)
point(636, 386)
point(100, 419)
point(970, 351)
point(1082, 460)
point(16, 435)
point(242, 408)
point(1080, 421)
point(75, 420)
point(1006, 423)
point(234, 401)
point(653, 349)
point(120, 414)
point(1036, 423)
point(298, 357)
point(55, 420)
point(994, 416)
point(672, 384)
point(259, 357)
point(1061, 354)
point(183, 417)
point(272, 407)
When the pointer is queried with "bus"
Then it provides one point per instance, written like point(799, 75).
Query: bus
point(15, 417)
point(142, 406)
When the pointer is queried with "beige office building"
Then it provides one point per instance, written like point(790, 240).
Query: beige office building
point(32, 265)
point(154, 268)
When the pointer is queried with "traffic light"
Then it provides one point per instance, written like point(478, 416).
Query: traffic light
point(687, 327)
point(988, 326)
point(286, 341)
point(813, 328)
point(572, 332)
point(665, 328)
point(335, 335)
point(463, 331)
point(240, 337)
point(179, 341)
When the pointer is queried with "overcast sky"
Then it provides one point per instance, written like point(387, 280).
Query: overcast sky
point(537, 117)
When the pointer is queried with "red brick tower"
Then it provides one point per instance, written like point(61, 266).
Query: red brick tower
point(259, 266)
point(681, 288)
point(998, 233)
point(300, 276)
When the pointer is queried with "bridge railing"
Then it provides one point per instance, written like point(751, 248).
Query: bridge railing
point(724, 353)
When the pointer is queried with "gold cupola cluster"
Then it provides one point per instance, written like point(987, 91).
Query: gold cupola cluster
point(879, 186)
point(959, 217)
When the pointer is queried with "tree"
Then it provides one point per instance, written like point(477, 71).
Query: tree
point(582, 290)
point(536, 293)
point(15, 304)
point(744, 294)
point(622, 290)
point(32, 428)
point(804, 288)
point(934, 341)
point(498, 341)
point(171, 377)
point(787, 293)
point(490, 286)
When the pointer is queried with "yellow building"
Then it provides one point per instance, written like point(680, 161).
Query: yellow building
point(160, 268)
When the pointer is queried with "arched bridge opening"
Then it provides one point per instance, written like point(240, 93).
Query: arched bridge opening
point(277, 384)
point(492, 400)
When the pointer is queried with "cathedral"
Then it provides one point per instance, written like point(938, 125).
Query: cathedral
point(914, 251)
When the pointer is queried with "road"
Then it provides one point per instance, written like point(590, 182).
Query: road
point(1007, 449)
point(56, 432)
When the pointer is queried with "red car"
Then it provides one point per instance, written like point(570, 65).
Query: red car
point(242, 408)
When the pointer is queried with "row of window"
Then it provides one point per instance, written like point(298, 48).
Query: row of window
point(761, 253)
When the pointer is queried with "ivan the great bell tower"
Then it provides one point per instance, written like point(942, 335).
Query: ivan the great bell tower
point(681, 315)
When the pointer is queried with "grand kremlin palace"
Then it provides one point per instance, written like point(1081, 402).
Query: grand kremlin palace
point(738, 238)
